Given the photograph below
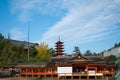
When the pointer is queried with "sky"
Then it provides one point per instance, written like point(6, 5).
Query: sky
point(88, 24)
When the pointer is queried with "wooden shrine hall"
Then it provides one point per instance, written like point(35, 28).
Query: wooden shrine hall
point(77, 66)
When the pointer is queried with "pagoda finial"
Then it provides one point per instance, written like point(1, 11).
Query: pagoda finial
point(59, 38)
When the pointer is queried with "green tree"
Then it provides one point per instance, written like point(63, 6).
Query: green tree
point(118, 61)
point(111, 58)
point(95, 54)
point(88, 53)
point(1, 37)
point(1, 43)
point(33, 52)
point(119, 44)
point(116, 45)
point(76, 51)
point(52, 52)
point(6, 53)
point(10, 53)
point(21, 54)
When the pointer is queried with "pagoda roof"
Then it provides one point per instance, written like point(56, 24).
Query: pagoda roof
point(59, 48)
point(59, 42)
point(59, 45)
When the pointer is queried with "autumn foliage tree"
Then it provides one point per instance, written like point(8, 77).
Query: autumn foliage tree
point(44, 53)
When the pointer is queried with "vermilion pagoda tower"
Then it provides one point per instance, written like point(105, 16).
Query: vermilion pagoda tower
point(59, 48)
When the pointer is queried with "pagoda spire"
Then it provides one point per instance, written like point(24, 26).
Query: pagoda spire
point(58, 38)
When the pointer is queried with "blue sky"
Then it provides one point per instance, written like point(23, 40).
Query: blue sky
point(89, 24)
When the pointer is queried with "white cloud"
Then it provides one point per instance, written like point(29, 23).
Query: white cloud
point(17, 34)
point(25, 9)
point(81, 20)
point(83, 24)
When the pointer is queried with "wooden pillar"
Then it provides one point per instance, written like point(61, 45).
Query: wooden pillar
point(102, 77)
point(65, 76)
point(95, 76)
point(95, 72)
point(58, 76)
point(87, 71)
point(26, 71)
point(19, 76)
point(88, 77)
point(20, 71)
point(80, 77)
point(72, 77)
point(45, 72)
point(32, 72)
point(112, 72)
point(39, 72)
point(105, 72)
point(51, 69)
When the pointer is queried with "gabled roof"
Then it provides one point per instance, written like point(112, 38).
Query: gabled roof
point(55, 60)
point(79, 56)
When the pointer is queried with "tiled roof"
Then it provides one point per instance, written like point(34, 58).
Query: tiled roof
point(95, 58)
point(55, 60)
point(31, 64)
point(17, 42)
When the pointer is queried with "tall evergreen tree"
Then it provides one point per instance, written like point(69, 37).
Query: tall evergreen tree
point(76, 51)
point(88, 53)
point(116, 45)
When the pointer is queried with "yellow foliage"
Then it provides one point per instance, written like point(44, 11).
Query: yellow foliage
point(100, 54)
point(43, 52)
point(43, 48)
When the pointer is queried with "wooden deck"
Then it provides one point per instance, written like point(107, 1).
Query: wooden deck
point(50, 78)
point(64, 76)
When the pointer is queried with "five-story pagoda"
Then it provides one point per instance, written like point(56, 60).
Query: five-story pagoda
point(59, 48)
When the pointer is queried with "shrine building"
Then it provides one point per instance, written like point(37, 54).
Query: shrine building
point(74, 67)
